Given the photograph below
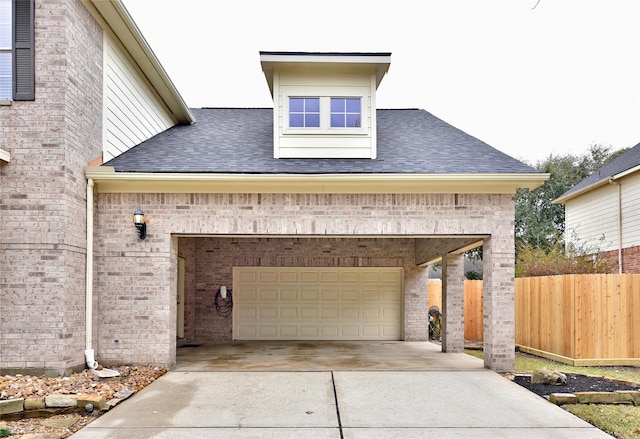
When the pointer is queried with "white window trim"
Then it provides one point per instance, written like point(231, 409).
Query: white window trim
point(325, 117)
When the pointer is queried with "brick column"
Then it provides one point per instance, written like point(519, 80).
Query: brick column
point(453, 303)
point(499, 302)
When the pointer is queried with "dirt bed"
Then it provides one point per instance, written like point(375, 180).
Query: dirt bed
point(132, 378)
point(575, 383)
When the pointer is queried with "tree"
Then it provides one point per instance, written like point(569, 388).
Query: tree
point(539, 223)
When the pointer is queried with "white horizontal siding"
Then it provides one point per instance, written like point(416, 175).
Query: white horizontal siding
point(133, 112)
point(593, 219)
point(595, 214)
point(631, 210)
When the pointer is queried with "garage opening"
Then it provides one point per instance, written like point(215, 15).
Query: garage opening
point(295, 288)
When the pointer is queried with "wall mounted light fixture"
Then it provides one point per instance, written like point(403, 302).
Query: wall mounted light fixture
point(138, 221)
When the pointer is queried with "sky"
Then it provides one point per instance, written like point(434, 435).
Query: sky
point(530, 80)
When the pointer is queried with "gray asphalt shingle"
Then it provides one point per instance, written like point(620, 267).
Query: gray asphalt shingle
point(240, 140)
point(626, 161)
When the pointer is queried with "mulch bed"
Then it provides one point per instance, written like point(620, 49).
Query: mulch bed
point(575, 383)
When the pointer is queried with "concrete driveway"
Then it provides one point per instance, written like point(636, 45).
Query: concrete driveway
point(412, 391)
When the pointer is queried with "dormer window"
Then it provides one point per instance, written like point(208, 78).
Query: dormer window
point(304, 112)
point(318, 115)
point(346, 113)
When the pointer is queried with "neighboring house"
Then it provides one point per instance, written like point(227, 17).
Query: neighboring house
point(603, 211)
point(318, 217)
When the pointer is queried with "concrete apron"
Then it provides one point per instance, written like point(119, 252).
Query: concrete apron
point(441, 401)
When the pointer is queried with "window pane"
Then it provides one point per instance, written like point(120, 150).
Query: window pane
point(345, 112)
point(353, 106)
point(296, 105)
point(337, 105)
point(337, 120)
point(296, 120)
point(304, 112)
point(353, 120)
point(5, 76)
point(312, 120)
point(5, 24)
point(312, 105)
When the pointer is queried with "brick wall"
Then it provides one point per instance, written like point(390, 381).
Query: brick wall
point(136, 281)
point(630, 259)
point(42, 193)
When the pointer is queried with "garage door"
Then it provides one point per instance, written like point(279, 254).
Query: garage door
point(273, 303)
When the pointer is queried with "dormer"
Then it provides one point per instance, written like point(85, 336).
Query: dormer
point(324, 104)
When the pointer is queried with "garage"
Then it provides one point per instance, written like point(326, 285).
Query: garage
point(317, 303)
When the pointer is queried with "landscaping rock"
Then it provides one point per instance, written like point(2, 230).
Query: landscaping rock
point(598, 397)
point(63, 423)
point(61, 401)
point(32, 403)
point(11, 406)
point(546, 376)
point(563, 398)
point(99, 402)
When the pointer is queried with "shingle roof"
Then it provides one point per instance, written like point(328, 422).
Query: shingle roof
point(234, 140)
point(626, 161)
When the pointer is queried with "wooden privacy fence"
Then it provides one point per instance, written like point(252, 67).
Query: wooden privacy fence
point(473, 321)
point(581, 319)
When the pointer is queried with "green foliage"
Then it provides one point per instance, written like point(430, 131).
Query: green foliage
point(4, 432)
point(539, 222)
point(473, 275)
point(556, 260)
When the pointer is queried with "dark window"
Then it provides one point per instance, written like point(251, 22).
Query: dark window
point(17, 70)
point(6, 51)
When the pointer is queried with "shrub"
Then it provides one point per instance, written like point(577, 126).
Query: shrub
point(535, 261)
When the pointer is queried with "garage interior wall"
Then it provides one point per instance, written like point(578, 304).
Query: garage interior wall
point(210, 261)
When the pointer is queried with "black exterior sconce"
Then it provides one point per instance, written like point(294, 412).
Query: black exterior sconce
point(138, 221)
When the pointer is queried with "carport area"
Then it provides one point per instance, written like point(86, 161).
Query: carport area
point(320, 356)
point(322, 289)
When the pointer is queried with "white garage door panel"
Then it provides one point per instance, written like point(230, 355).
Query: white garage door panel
point(273, 303)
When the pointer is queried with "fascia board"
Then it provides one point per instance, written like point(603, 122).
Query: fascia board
point(116, 16)
point(383, 59)
point(109, 181)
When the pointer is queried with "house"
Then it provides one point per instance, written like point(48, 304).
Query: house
point(314, 219)
point(603, 211)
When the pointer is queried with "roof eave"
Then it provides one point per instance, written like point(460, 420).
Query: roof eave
point(378, 61)
point(114, 14)
point(602, 182)
point(109, 181)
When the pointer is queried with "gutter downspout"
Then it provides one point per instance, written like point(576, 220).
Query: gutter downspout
point(612, 181)
point(89, 280)
point(89, 353)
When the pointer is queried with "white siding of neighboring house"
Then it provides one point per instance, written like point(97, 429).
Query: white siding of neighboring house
point(331, 143)
point(631, 210)
point(133, 112)
point(594, 215)
point(592, 219)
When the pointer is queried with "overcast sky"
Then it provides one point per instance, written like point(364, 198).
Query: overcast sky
point(530, 82)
